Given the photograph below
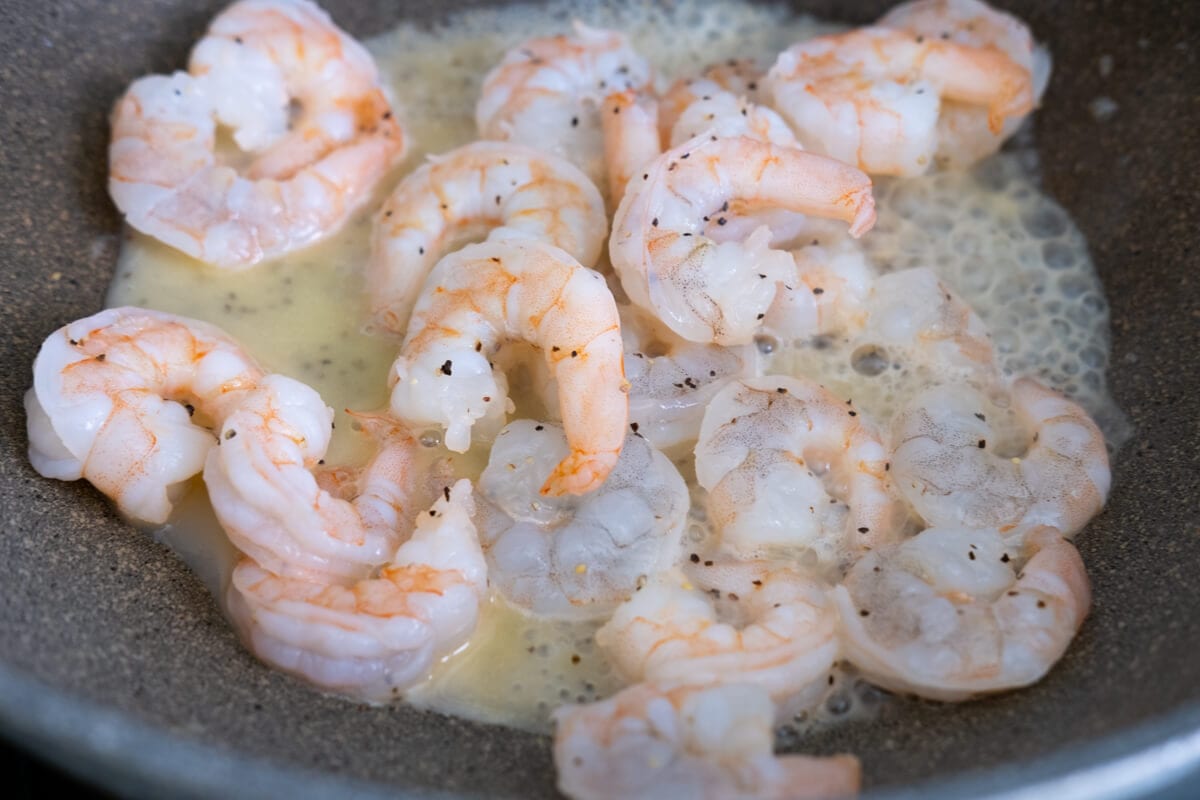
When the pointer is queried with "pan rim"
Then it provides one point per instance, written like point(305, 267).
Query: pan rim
point(93, 743)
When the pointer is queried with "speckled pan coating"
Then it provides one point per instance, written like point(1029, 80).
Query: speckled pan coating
point(96, 610)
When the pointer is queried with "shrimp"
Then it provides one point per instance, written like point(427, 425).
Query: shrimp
point(662, 245)
point(709, 743)
point(124, 398)
point(304, 104)
point(629, 124)
point(702, 106)
point(504, 189)
point(672, 381)
point(547, 93)
point(831, 291)
point(944, 461)
point(956, 612)
point(273, 508)
point(741, 78)
point(576, 557)
point(964, 135)
point(787, 464)
point(872, 96)
point(523, 289)
point(374, 638)
point(781, 634)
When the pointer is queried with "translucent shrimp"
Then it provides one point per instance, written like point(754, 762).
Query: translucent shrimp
point(576, 557)
point(374, 638)
point(709, 743)
point(787, 464)
point(672, 381)
point(964, 135)
point(956, 612)
point(520, 289)
point(262, 487)
point(944, 461)
point(736, 622)
point(872, 96)
point(547, 93)
point(305, 108)
point(663, 246)
point(124, 398)
point(491, 189)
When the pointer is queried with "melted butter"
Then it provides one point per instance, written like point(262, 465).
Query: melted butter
point(304, 315)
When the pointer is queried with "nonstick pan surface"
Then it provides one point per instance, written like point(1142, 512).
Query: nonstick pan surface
point(115, 662)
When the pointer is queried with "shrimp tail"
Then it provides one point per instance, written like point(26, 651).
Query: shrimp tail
point(580, 473)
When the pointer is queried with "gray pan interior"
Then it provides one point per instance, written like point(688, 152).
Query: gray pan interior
point(115, 662)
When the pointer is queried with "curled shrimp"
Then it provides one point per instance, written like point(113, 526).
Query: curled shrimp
point(576, 557)
point(830, 292)
point(956, 612)
point(374, 638)
point(944, 461)
point(871, 96)
point(273, 508)
point(124, 398)
point(739, 77)
point(547, 93)
point(663, 247)
point(260, 62)
point(787, 464)
point(714, 743)
point(702, 105)
point(629, 125)
point(774, 628)
point(672, 381)
point(504, 189)
point(964, 133)
point(520, 289)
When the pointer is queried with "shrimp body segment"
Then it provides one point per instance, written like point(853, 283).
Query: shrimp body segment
point(260, 62)
point(505, 190)
point(374, 638)
point(714, 743)
point(118, 398)
point(783, 637)
point(547, 93)
point(274, 509)
point(485, 295)
point(955, 612)
point(576, 557)
point(664, 244)
point(787, 464)
point(945, 465)
point(871, 97)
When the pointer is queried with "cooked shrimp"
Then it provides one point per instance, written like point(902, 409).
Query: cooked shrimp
point(379, 636)
point(261, 61)
point(871, 97)
point(709, 743)
point(964, 135)
point(671, 380)
point(787, 464)
point(782, 633)
point(572, 556)
point(629, 123)
point(741, 78)
point(485, 188)
point(830, 293)
point(547, 93)
point(113, 400)
point(485, 294)
point(956, 612)
point(261, 484)
point(702, 106)
point(945, 465)
point(662, 245)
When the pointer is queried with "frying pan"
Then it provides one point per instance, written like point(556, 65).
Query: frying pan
point(115, 662)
